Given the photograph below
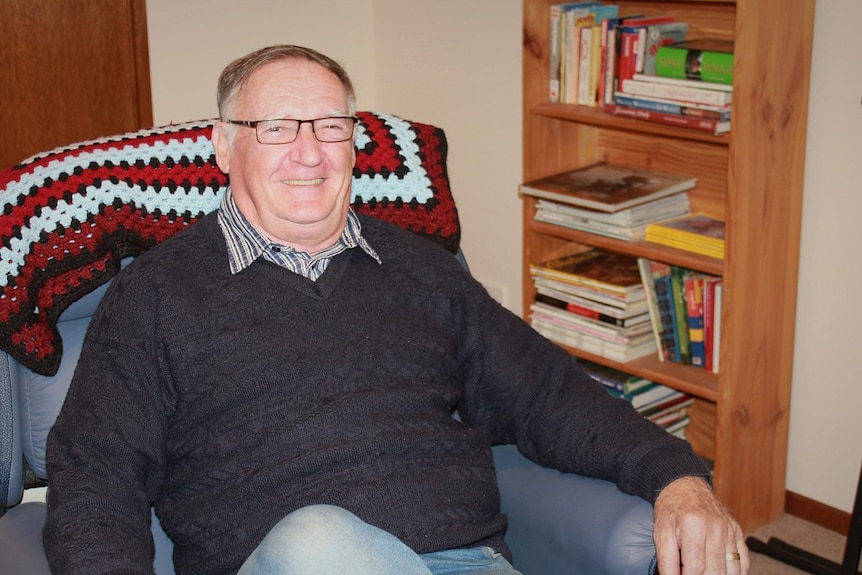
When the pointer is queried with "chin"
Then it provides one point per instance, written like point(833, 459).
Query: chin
point(308, 215)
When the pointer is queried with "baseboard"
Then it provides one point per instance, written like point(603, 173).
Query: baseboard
point(817, 513)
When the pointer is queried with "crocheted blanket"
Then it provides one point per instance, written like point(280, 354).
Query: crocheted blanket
point(71, 215)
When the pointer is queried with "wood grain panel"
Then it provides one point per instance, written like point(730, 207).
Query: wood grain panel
point(762, 253)
point(752, 177)
point(71, 71)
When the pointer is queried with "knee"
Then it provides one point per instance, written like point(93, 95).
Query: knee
point(311, 539)
point(314, 526)
point(324, 539)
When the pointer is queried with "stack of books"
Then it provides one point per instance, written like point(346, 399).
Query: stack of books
point(639, 66)
point(610, 200)
point(698, 233)
point(593, 301)
point(660, 404)
point(685, 313)
point(670, 412)
point(576, 50)
point(689, 86)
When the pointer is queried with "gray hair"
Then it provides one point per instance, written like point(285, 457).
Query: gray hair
point(237, 73)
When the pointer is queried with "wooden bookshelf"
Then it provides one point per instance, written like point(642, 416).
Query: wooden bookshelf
point(752, 178)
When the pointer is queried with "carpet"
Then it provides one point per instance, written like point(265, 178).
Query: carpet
point(795, 531)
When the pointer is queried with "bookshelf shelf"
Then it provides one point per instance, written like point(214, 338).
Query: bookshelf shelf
point(698, 382)
point(649, 250)
point(751, 178)
point(594, 116)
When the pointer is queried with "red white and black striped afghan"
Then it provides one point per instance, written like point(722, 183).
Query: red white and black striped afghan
point(70, 216)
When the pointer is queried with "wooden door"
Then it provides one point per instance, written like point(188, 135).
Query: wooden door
point(71, 70)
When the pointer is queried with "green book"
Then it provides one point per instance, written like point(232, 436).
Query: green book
point(707, 60)
point(677, 276)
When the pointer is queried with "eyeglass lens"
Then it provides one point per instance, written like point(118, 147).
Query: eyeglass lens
point(278, 131)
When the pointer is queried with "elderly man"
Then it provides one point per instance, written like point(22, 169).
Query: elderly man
point(279, 383)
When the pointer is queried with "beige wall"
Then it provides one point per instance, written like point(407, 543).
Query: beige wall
point(457, 64)
point(826, 407)
point(192, 40)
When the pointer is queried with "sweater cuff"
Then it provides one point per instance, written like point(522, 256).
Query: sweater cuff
point(662, 466)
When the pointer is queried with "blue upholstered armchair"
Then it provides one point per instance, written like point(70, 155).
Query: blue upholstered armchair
point(72, 216)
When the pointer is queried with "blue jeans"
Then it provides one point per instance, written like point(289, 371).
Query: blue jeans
point(328, 540)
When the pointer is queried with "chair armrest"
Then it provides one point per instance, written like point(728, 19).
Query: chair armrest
point(21, 551)
point(11, 457)
point(562, 523)
point(21, 540)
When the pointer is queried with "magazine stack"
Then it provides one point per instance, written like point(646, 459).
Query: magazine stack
point(593, 301)
point(660, 404)
point(610, 200)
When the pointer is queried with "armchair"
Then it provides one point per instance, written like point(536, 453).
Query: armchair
point(72, 216)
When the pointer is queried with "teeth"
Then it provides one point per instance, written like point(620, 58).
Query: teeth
point(313, 182)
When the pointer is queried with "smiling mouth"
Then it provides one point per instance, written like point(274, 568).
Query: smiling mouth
point(314, 182)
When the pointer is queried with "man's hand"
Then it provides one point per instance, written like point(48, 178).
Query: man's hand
point(694, 532)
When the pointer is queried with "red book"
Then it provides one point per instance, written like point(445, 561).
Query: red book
point(632, 33)
point(701, 124)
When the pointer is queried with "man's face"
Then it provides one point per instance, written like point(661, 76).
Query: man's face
point(297, 194)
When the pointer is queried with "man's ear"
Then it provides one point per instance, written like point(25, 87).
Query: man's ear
point(221, 143)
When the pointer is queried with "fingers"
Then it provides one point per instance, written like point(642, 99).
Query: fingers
point(669, 562)
point(695, 534)
point(704, 539)
point(744, 562)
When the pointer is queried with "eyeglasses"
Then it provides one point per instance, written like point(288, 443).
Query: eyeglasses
point(283, 131)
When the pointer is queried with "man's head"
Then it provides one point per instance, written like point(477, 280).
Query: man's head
point(298, 192)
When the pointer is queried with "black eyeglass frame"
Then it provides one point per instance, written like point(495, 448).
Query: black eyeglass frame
point(254, 123)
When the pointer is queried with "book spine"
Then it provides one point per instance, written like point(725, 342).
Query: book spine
point(677, 276)
point(675, 92)
point(591, 314)
point(554, 46)
point(610, 66)
point(689, 64)
point(640, 47)
point(582, 311)
point(716, 336)
point(570, 322)
point(595, 65)
point(628, 56)
point(694, 308)
point(597, 346)
point(653, 308)
point(603, 67)
point(585, 58)
point(677, 404)
point(670, 107)
point(700, 85)
point(709, 320)
point(608, 383)
point(572, 56)
point(664, 299)
point(693, 122)
point(620, 382)
point(645, 396)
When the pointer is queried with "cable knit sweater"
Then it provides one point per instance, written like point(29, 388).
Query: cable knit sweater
point(227, 401)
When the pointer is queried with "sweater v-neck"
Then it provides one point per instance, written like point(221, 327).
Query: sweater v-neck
point(320, 289)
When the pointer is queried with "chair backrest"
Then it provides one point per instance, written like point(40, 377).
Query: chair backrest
point(73, 215)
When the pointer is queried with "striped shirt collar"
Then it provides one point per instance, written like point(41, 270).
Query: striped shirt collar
point(245, 243)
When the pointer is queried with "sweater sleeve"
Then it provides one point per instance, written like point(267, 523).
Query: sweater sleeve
point(524, 389)
point(105, 451)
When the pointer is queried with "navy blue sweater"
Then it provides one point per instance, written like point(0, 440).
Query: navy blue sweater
point(227, 401)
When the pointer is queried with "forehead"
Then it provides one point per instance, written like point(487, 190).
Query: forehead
point(290, 87)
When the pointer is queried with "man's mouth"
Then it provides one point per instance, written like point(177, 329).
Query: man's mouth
point(314, 182)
